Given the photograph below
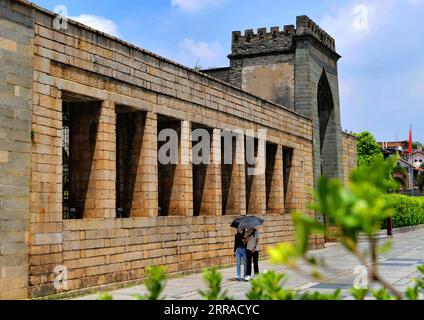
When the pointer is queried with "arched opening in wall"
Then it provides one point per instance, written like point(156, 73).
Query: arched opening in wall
point(326, 129)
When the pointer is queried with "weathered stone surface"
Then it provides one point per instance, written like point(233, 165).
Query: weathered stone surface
point(16, 61)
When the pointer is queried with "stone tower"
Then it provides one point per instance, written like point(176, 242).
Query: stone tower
point(297, 68)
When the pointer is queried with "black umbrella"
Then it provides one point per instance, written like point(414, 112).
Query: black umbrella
point(247, 222)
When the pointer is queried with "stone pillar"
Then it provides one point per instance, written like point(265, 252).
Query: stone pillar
point(145, 198)
point(211, 202)
point(101, 186)
point(236, 203)
point(292, 175)
point(181, 202)
point(275, 184)
point(255, 180)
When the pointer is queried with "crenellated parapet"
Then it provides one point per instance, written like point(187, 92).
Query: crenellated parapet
point(264, 41)
point(304, 25)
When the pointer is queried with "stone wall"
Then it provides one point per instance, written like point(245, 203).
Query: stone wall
point(16, 73)
point(80, 64)
point(222, 74)
point(99, 252)
point(315, 63)
point(350, 160)
point(270, 77)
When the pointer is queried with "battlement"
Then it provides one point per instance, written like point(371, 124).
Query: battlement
point(304, 25)
point(263, 41)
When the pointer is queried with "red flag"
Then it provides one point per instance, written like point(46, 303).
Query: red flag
point(410, 141)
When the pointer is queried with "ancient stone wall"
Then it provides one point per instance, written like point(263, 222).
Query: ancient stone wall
point(350, 160)
point(82, 65)
point(16, 74)
point(222, 74)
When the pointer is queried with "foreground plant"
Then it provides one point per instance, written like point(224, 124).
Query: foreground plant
point(356, 210)
point(270, 286)
point(155, 284)
point(214, 290)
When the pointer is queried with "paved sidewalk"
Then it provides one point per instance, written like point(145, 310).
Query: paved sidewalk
point(399, 267)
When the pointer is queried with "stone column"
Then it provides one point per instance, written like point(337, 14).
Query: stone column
point(145, 199)
point(181, 202)
point(101, 186)
point(236, 204)
point(275, 184)
point(255, 177)
point(211, 204)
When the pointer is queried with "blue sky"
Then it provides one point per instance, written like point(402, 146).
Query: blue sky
point(381, 72)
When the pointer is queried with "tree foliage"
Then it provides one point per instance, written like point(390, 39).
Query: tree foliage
point(367, 148)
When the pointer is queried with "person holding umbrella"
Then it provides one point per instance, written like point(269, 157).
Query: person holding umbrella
point(252, 239)
point(253, 235)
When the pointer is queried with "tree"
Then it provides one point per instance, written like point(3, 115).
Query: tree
point(400, 175)
point(367, 148)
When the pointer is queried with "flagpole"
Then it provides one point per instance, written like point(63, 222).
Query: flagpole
point(411, 160)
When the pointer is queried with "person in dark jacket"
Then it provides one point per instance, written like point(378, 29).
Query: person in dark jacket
point(240, 253)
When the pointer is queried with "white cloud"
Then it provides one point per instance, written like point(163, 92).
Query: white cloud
point(356, 22)
point(200, 52)
point(359, 21)
point(195, 5)
point(98, 23)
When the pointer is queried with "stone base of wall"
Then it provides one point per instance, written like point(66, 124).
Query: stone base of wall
point(101, 252)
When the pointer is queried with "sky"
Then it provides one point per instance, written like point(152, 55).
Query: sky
point(381, 42)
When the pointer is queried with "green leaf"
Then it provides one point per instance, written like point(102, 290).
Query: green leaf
point(321, 296)
point(382, 294)
point(105, 296)
point(412, 293)
point(284, 253)
point(359, 293)
point(155, 284)
point(386, 247)
point(270, 286)
point(213, 280)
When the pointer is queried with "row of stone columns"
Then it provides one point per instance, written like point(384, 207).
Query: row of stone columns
point(227, 189)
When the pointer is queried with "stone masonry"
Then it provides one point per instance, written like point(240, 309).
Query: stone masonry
point(81, 117)
point(16, 74)
point(295, 67)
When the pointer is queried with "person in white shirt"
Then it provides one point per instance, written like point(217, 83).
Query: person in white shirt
point(252, 236)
